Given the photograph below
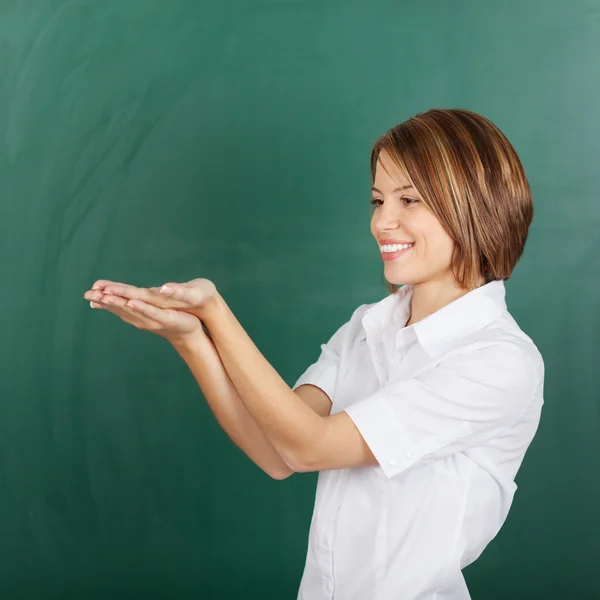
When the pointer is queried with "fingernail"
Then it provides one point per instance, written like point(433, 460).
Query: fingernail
point(165, 289)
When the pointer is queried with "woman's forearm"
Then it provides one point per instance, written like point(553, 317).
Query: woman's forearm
point(204, 362)
point(294, 429)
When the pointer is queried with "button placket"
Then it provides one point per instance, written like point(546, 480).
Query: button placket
point(326, 528)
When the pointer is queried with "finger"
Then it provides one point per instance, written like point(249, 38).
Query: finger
point(169, 296)
point(130, 292)
point(160, 315)
point(97, 295)
point(119, 307)
point(93, 295)
point(190, 294)
point(175, 291)
point(150, 295)
point(100, 284)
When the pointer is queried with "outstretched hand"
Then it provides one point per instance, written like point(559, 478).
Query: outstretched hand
point(172, 311)
point(191, 296)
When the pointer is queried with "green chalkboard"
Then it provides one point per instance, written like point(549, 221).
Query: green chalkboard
point(147, 141)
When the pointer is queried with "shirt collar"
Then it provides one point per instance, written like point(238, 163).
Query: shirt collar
point(438, 332)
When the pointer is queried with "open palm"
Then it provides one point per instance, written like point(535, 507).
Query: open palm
point(172, 324)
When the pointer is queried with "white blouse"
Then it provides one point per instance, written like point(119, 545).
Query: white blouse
point(448, 407)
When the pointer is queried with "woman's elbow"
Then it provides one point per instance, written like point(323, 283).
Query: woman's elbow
point(280, 474)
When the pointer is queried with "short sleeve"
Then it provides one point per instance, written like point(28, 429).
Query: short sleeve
point(323, 372)
point(465, 400)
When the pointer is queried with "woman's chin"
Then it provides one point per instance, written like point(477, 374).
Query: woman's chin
point(397, 275)
point(399, 279)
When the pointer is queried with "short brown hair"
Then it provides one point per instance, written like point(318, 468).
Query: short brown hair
point(471, 178)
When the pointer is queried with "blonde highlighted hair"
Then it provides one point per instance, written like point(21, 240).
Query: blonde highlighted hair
point(470, 177)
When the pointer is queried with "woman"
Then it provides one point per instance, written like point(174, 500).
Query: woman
point(420, 407)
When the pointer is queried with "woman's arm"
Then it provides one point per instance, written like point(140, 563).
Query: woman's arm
point(296, 423)
point(299, 432)
point(465, 400)
point(204, 362)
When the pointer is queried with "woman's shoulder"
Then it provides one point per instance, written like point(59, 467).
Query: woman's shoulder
point(352, 328)
point(505, 333)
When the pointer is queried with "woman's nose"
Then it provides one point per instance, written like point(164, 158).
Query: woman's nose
point(385, 219)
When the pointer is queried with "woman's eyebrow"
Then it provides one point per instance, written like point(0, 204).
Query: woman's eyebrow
point(398, 189)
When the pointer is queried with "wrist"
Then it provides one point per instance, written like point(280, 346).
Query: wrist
point(210, 309)
point(189, 341)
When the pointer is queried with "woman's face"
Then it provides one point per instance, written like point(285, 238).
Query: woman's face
point(400, 216)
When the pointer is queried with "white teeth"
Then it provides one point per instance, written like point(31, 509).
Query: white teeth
point(395, 247)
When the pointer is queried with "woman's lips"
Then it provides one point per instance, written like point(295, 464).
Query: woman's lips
point(387, 256)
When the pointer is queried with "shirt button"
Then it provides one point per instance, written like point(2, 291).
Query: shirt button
point(393, 463)
point(408, 455)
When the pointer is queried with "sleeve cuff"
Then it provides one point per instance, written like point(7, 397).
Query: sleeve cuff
point(384, 434)
point(321, 375)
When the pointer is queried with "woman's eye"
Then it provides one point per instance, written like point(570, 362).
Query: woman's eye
point(405, 200)
point(409, 201)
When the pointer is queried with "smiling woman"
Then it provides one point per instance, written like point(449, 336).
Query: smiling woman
point(442, 384)
point(472, 182)
point(420, 407)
